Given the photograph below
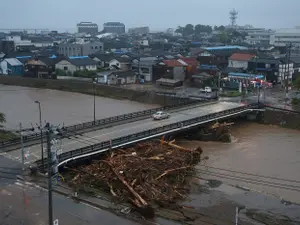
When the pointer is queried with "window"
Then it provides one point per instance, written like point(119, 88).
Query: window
point(92, 47)
point(65, 68)
point(100, 47)
point(73, 49)
point(96, 47)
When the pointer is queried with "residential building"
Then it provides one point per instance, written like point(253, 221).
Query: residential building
point(192, 65)
point(76, 64)
point(87, 27)
point(19, 43)
point(11, 66)
point(145, 68)
point(139, 30)
point(122, 63)
point(7, 46)
point(283, 37)
point(240, 60)
point(261, 37)
point(174, 69)
point(285, 72)
point(102, 59)
point(80, 48)
point(116, 77)
point(114, 27)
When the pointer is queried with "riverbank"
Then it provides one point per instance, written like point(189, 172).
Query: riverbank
point(114, 92)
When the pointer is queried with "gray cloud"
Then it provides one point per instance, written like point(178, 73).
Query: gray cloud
point(158, 14)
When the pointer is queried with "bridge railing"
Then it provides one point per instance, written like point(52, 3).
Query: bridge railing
point(101, 122)
point(151, 133)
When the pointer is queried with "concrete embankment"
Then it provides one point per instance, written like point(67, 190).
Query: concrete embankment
point(88, 88)
point(282, 118)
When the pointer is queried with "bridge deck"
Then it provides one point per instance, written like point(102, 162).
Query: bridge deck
point(90, 138)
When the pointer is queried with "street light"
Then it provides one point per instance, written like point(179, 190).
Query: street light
point(40, 117)
point(94, 87)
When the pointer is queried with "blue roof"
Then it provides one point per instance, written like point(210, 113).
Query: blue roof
point(53, 57)
point(246, 75)
point(78, 57)
point(196, 43)
point(208, 66)
point(23, 57)
point(228, 47)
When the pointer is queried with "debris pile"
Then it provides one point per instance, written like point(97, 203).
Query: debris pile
point(149, 173)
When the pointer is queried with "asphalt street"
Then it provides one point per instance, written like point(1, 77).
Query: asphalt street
point(24, 203)
point(33, 153)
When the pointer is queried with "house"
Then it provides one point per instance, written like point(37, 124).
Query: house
point(192, 65)
point(122, 63)
point(173, 69)
point(240, 60)
point(266, 66)
point(11, 66)
point(73, 64)
point(145, 68)
point(102, 59)
point(116, 77)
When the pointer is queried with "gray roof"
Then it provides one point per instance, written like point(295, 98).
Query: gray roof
point(265, 60)
point(82, 61)
point(13, 62)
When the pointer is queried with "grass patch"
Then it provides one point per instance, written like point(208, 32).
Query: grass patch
point(7, 135)
point(231, 94)
point(296, 101)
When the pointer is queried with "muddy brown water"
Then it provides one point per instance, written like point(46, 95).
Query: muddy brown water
point(262, 150)
point(58, 107)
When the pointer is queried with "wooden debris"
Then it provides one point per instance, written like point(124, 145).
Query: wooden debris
point(149, 173)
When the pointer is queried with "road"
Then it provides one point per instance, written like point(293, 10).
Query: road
point(24, 203)
point(33, 153)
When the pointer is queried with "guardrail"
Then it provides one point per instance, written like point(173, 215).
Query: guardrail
point(282, 109)
point(101, 122)
point(117, 142)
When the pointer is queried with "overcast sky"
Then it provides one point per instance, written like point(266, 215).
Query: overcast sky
point(157, 14)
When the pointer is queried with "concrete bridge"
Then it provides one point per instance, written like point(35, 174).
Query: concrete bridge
point(75, 146)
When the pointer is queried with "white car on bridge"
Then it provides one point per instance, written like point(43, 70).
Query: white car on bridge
point(160, 115)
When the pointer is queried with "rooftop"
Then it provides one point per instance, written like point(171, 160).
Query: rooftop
point(82, 61)
point(13, 62)
point(173, 63)
point(241, 56)
point(228, 47)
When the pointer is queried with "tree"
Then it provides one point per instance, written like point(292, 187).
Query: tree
point(199, 28)
point(220, 28)
point(297, 83)
point(188, 29)
point(179, 30)
point(223, 37)
point(2, 118)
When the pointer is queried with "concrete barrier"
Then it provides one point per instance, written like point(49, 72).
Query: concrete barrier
point(87, 88)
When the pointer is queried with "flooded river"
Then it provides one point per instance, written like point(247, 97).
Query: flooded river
point(58, 107)
point(268, 158)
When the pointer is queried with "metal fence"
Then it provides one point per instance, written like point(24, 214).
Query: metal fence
point(102, 122)
point(152, 132)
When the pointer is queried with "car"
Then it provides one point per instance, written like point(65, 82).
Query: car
point(206, 90)
point(160, 115)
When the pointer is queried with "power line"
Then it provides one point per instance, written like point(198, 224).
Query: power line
point(251, 174)
point(264, 183)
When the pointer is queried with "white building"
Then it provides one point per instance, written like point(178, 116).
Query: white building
point(76, 64)
point(259, 36)
point(283, 37)
point(240, 60)
point(285, 70)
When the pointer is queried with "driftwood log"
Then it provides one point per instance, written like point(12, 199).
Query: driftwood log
point(149, 173)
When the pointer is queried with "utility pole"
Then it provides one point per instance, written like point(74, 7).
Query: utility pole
point(94, 87)
point(41, 132)
point(22, 145)
point(236, 215)
point(287, 73)
point(49, 140)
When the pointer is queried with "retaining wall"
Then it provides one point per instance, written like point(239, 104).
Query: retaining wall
point(282, 118)
point(87, 88)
